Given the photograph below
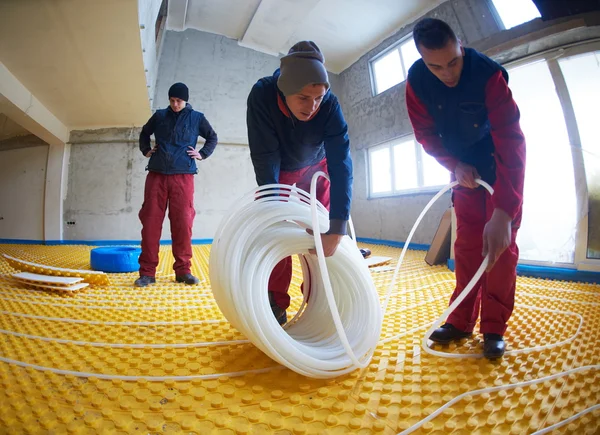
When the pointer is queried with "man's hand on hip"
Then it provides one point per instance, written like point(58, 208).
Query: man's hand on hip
point(192, 152)
point(152, 151)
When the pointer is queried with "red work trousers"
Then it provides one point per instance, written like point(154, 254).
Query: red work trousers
point(176, 192)
point(495, 291)
point(281, 277)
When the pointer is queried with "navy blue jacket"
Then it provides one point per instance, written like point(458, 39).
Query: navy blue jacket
point(174, 133)
point(476, 122)
point(280, 142)
point(460, 113)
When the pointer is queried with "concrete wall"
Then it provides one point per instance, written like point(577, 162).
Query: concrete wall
point(106, 186)
point(381, 118)
point(148, 11)
point(106, 172)
point(219, 74)
point(22, 177)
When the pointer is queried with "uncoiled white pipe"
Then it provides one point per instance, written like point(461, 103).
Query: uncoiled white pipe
point(412, 232)
point(305, 266)
point(450, 309)
point(339, 329)
point(508, 387)
point(466, 290)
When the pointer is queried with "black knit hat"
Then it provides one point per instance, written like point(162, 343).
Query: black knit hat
point(302, 66)
point(179, 90)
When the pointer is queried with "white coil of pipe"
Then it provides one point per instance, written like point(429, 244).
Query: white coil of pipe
point(339, 327)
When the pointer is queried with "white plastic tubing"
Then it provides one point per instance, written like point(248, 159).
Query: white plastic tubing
point(459, 299)
point(339, 329)
point(334, 334)
point(463, 294)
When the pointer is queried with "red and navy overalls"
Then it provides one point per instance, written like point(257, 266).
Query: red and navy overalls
point(476, 122)
point(170, 183)
point(287, 151)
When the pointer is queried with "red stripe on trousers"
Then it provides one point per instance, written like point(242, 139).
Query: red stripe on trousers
point(281, 277)
point(495, 291)
point(177, 193)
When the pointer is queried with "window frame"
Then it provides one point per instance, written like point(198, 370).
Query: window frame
point(498, 18)
point(551, 56)
point(389, 145)
point(495, 15)
point(395, 46)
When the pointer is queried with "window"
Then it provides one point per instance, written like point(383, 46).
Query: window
point(159, 25)
point(545, 235)
point(557, 99)
point(581, 74)
point(402, 166)
point(391, 67)
point(515, 12)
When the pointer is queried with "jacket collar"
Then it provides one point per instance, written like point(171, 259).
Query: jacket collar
point(187, 108)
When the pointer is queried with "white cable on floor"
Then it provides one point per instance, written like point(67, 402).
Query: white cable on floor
point(339, 320)
point(254, 302)
point(124, 345)
point(450, 309)
point(111, 323)
point(507, 387)
point(568, 420)
point(338, 330)
point(465, 292)
point(175, 378)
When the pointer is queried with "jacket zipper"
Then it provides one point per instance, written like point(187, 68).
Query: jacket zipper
point(173, 140)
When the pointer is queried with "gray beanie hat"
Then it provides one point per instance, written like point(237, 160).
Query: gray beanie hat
point(303, 65)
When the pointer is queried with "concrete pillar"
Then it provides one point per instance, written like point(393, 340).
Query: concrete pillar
point(57, 174)
point(24, 108)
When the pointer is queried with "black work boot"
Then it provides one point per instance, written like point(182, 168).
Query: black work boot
point(493, 346)
point(144, 281)
point(188, 278)
point(279, 313)
point(447, 333)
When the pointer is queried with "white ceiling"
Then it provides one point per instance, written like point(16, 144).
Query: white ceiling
point(343, 29)
point(82, 59)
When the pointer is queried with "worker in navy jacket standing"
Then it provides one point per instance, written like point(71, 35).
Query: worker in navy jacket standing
point(295, 129)
point(463, 114)
point(170, 182)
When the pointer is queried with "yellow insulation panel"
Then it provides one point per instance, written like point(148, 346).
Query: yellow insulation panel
point(42, 268)
point(163, 360)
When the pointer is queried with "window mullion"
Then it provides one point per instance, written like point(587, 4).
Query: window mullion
point(404, 72)
point(581, 189)
point(370, 167)
point(420, 176)
point(392, 167)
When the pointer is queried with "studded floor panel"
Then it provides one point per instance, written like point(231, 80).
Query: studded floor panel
point(115, 359)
